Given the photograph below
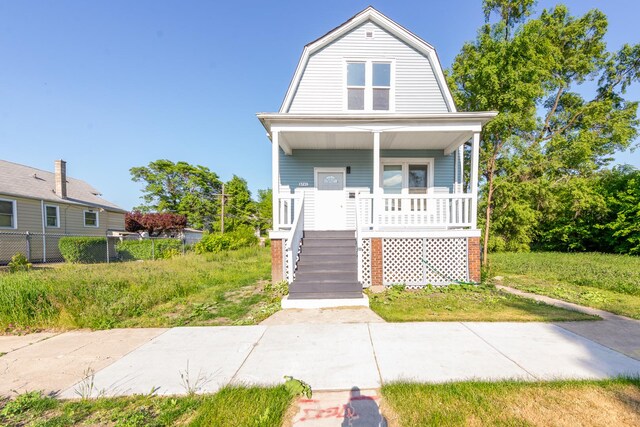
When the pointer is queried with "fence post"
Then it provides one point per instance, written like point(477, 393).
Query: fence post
point(28, 238)
point(153, 249)
point(107, 239)
point(184, 243)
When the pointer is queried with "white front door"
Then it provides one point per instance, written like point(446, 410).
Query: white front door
point(330, 201)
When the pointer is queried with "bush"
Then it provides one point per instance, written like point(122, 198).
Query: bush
point(83, 249)
point(147, 249)
point(19, 262)
point(241, 237)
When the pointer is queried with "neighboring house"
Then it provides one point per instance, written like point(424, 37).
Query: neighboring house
point(48, 205)
point(368, 167)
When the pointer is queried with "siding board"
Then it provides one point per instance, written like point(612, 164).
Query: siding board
point(321, 88)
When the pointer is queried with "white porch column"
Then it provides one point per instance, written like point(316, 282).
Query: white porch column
point(461, 168)
point(377, 202)
point(275, 179)
point(475, 155)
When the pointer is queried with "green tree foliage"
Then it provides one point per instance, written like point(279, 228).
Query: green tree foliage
point(541, 158)
point(240, 209)
point(264, 209)
point(180, 188)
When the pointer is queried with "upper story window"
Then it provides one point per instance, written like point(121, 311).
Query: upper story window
point(8, 213)
point(369, 86)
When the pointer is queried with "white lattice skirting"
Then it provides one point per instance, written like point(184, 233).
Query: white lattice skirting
point(402, 261)
point(366, 262)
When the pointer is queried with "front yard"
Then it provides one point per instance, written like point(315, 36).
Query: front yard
point(464, 303)
point(228, 288)
point(513, 403)
point(604, 281)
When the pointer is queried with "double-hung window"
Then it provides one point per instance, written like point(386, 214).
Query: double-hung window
point(52, 216)
point(90, 218)
point(369, 86)
point(8, 214)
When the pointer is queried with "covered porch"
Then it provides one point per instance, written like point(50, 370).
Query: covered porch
point(374, 173)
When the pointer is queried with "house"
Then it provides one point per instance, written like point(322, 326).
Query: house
point(47, 206)
point(368, 167)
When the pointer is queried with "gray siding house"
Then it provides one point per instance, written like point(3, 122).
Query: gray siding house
point(49, 205)
point(368, 168)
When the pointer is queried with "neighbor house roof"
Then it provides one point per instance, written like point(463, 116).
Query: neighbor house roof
point(369, 14)
point(28, 182)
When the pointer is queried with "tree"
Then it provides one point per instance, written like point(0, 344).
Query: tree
point(264, 210)
point(546, 134)
point(239, 207)
point(180, 188)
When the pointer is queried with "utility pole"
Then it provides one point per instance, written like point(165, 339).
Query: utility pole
point(222, 211)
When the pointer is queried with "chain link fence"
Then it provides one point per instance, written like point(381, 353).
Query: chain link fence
point(46, 248)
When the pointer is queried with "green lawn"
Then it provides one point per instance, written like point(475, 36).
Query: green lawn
point(213, 289)
point(464, 303)
point(604, 281)
point(231, 406)
point(512, 403)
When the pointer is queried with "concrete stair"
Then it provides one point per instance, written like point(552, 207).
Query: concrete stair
point(327, 268)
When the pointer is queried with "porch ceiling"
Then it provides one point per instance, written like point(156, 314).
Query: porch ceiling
point(364, 140)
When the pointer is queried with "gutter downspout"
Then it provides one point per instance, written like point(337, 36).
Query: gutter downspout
point(44, 236)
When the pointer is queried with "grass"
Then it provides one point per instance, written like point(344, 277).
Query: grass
point(213, 289)
point(464, 303)
point(604, 281)
point(231, 406)
point(512, 403)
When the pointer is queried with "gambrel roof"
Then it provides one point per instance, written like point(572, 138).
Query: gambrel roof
point(369, 14)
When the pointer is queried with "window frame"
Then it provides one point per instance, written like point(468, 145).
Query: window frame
point(368, 84)
point(84, 218)
point(46, 217)
point(341, 170)
point(405, 162)
point(14, 214)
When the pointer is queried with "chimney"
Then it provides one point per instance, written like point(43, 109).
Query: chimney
point(61, 178)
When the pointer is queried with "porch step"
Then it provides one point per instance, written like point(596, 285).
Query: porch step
point(327, 250)
point(329, 242)
point(337, 234)
point(327, 267)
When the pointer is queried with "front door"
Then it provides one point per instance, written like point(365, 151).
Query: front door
point(330, 200)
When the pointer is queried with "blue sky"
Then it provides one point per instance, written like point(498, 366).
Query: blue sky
point(108, 85)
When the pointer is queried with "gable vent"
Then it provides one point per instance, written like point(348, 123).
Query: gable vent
point(368, 34)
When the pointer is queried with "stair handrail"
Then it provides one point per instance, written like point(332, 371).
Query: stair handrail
point(294, 238)
point(358, 238)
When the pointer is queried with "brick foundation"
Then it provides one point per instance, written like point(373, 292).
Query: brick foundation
point(473, 244)
point(376, 262)
point(276, 260)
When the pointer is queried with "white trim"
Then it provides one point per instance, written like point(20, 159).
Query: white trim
point(57, 216)
point(416, 234)
point(342, 170)
point(275, 179)
point(405, 162)
point(84, 219)
point(370, 14)
point(14, 218)
point(475, 154)
point(303, 304)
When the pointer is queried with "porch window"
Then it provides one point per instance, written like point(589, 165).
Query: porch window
point(407, 176)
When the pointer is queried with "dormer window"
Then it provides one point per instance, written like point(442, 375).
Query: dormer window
point(369, 86)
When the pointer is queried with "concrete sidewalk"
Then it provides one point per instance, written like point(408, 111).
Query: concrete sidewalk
point(343, 356)
point(327, 356)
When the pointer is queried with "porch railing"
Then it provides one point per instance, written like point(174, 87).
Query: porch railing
point(287, 208)
point(415, 210)
point(293, 240)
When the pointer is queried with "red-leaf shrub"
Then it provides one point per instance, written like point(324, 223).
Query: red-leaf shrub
point(154, 223)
